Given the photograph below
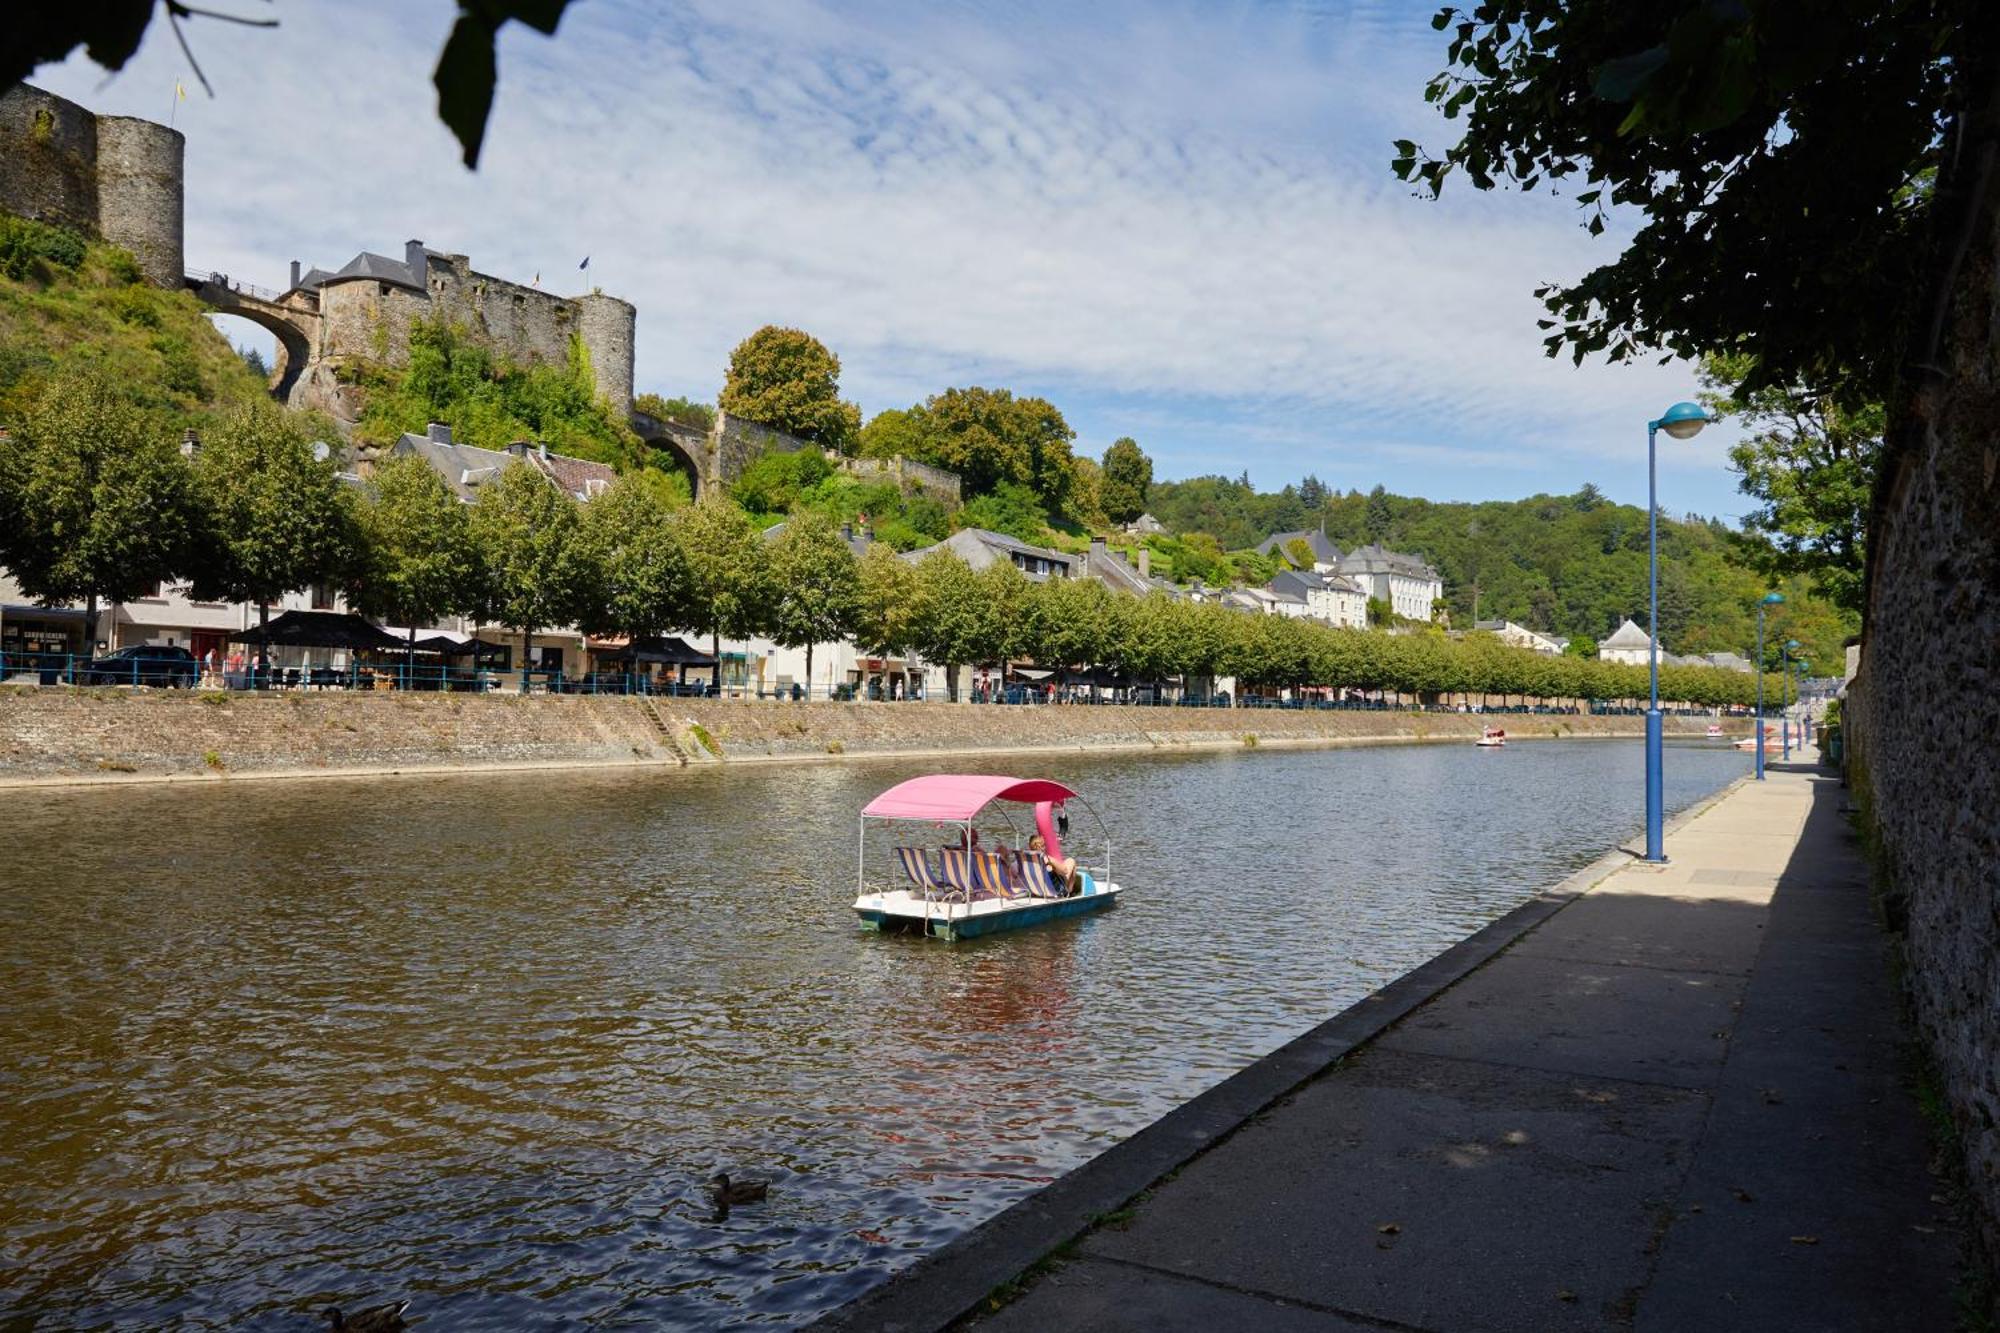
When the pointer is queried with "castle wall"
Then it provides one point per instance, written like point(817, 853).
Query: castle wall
point(48, 158)
point(938, 483)
point(526, 322)
point(607, 325)
point(364, 320)
point(139, 193)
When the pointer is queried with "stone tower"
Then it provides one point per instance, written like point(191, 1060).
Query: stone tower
point(116, 177)
point(606, 325)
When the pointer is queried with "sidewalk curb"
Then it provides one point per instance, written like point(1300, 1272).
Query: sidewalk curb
point(952, 1281)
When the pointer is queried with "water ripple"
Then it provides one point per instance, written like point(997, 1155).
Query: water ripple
point(477, 1042)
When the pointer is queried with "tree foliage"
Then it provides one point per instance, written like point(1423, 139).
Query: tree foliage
point(533, 566)
point(99, 508)
point(277, 518)
point(790, 381)
point(816, 586)
point(642, 585)
point(986, 436)
point(1779, 164)
point(1127, 481)
point(1809, 461)
point(728, 583)
point(687, 412)
point(416, 562)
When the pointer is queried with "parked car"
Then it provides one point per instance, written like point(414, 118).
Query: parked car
point(143, 664)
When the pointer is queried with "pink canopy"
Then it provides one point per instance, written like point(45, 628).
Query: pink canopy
point(959, 796)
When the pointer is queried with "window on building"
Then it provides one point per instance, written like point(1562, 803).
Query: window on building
point(322, 597)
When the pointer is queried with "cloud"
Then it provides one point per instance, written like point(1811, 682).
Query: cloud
point(1181, 213)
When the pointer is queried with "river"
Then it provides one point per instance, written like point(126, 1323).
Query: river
point(475, 1041)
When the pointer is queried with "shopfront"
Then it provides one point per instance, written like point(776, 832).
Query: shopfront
point(42, 638)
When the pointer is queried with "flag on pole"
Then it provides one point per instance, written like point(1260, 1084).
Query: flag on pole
point(538, 279)
point(180, 91)
point(586, 262)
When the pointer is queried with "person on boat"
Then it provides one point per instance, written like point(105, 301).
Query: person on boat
point(1062, 869)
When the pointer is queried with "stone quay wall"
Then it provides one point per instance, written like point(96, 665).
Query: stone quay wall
point(65, 735)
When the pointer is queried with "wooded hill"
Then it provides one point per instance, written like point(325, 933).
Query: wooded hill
point(1570, 565)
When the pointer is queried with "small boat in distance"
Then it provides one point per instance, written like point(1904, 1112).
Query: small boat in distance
point(1714, 731)
point(964, 888)
point(1750, 742)
point(1492, 739)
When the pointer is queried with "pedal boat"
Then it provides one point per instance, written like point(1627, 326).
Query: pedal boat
point(964, 890)
point(1492, 739)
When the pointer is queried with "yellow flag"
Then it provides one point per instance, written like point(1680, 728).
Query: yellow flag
point(180, 93)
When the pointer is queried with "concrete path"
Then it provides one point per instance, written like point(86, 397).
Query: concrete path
point(1677, 1103)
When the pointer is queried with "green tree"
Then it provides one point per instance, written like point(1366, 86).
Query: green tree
point(893, 433)
point(681, 411)
point(947, 623)
point(1809, 462)
point(988, 436)
point(416, 563)
point(885, 623)
point(534, 568)
point(1127, 481)
point(1380, 516)
point(641, 584)
point(727, 574)
point(788, 380)
point(278, 519)
point(817, 586)
point(1010, 508)
point(777, 480)
point(103, 508)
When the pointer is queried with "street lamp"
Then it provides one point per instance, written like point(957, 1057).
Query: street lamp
point(1769, 599)
point(1785, 697)
point(1682, 421)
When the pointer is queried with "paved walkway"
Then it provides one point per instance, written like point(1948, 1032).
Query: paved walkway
point(1678, 1103)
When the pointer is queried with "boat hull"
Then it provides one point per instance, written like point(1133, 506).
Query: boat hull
point(958, 921)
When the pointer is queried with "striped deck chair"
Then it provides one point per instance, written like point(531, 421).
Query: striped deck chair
point(957, 871)
point(917, 866)
point(990, 871)
point(1037, 877)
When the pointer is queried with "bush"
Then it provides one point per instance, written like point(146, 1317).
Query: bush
point(778, 481)
point(1009, 508)
point(25, 245)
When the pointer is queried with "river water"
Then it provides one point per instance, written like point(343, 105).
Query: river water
point(475, 1041)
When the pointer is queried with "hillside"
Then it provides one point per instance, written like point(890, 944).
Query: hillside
point(64, 297)
point(1573, 565)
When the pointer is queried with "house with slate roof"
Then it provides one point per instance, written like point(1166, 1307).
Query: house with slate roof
point(1332, 598)
point(1325, 555)
point(1406, 582)
point(1628, 644)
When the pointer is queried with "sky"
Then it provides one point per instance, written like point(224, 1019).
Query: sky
point(1176, 221)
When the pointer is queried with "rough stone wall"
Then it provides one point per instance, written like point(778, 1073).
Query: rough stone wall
point(936, 482)
point(48, 158)
point(692, 447)
point(606, 325)
point(139, 193)
point(1922, 713)
point(527, 323)
point(60, 734)
point(736, 444)
point(366, 321)
point(110, 176)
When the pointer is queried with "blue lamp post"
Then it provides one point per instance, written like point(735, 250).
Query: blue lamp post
point(1787, 697)
point(1769, 599)
point(1682, 421)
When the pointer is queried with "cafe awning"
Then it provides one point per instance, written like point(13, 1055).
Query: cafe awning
point(319, 629)
point(658, 648)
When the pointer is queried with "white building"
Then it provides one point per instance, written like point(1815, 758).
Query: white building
point(1410, 586)
point(1332, 598)
point(1628, 644)
point(1520, 636)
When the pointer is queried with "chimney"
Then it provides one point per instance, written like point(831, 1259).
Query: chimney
point(295, 275)
point(1145, 562)
point(1096, 555)
point(847, 532)
point(190, 443)
point(543, 450)
point(519, 449)
point(438, 432)
point(413, 259)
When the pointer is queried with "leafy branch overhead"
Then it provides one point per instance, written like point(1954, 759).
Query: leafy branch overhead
point(1778, 168)
point(110, 32)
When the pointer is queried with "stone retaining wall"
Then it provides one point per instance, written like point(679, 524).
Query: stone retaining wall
point(105, 734)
